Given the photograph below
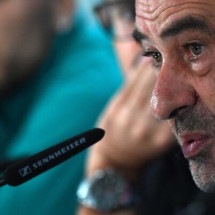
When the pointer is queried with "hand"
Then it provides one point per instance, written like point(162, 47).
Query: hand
point(133, 137)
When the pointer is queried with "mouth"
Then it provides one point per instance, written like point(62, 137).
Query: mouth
point(193, 143)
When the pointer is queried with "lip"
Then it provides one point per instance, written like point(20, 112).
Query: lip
point(194, 143)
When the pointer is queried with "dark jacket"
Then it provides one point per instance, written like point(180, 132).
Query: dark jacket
point(168, 189)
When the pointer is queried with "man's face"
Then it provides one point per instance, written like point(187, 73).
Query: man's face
point(127, 49)
point(26, 27)
point(180, 37)
point(118, 18)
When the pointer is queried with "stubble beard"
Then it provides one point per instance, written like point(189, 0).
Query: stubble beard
point(202, 166)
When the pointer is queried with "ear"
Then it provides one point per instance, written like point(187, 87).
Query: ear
point(64, 12)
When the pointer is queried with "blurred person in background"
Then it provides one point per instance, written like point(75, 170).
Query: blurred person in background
point(51, 88)
point(137, 168)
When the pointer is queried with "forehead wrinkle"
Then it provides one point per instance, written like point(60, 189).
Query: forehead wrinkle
point(144, 21)
point(153, 13)
point(147, 10)
point(186, 23)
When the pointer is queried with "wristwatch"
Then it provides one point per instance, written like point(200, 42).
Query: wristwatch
point(106, 191)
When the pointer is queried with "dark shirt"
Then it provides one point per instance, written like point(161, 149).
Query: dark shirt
point(168, 189)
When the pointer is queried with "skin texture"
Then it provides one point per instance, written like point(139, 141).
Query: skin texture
point(27, 28)
point(179, 37)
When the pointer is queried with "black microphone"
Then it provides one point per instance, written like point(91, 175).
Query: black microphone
point(28, 168)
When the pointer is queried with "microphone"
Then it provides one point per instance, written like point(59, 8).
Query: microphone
point(29, 168)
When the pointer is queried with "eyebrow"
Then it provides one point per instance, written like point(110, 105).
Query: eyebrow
point(177, 27)
point(186, 23)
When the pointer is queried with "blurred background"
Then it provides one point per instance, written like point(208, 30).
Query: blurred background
point(57, 72)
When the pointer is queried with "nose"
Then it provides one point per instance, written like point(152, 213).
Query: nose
point(172, 92)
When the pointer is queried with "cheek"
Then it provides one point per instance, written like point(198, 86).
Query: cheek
point(205, 88)
point(204, 65)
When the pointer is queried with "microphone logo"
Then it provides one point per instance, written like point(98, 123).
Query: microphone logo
point(25, 171)
point(30, 167)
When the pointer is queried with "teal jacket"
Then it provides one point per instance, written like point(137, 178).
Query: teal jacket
point(65, 99)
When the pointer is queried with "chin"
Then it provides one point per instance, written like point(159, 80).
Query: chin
point(203, 174)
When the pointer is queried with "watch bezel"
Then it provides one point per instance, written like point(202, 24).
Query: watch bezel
point(93, 192)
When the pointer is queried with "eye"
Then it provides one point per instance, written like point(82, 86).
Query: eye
point(194, 50)
point(155, 55)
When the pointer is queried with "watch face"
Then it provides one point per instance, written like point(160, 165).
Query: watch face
point(110, 190)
